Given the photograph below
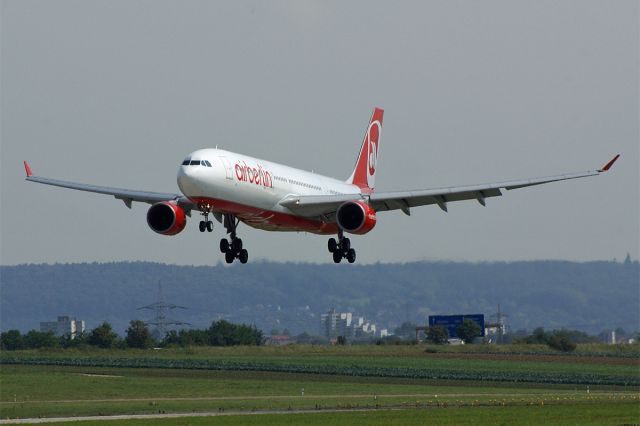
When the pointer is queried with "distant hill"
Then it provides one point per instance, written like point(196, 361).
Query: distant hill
point(589, 296)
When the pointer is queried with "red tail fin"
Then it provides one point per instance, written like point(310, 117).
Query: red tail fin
point(364, 173)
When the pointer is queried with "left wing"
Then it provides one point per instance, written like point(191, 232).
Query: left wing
point(404, 200)
point(126, 195)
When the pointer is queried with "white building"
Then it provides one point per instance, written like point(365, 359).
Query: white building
point(334, 324)
point(65, 325)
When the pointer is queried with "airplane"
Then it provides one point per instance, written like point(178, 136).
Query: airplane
point(236, 188)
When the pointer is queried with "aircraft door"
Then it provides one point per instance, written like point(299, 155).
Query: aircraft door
point(227, 167)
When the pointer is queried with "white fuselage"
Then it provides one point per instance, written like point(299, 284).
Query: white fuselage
point(251, 189)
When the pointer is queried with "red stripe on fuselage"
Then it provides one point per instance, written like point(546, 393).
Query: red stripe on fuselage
point(266, 219)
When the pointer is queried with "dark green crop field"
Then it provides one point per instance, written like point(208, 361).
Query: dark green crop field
point(410, 362)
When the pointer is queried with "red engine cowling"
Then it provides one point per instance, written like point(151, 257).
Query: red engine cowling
point(356, 217)
point(166, 218)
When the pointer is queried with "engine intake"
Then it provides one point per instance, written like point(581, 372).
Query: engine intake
point(166, 218)
point(356, 217)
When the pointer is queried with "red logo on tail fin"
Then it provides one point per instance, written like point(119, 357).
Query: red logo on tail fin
point(365, 170)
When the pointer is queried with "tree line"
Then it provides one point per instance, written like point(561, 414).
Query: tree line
point(559, 292)
point(138, 335)
point(564, 340)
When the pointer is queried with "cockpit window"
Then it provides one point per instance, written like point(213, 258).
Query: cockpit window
point(190, 162)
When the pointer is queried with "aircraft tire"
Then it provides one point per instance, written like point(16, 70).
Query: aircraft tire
point(236, 245)
point(202, 226)
point(243, 256)
point(332, 245)
point(345, 244)
point(209, 225)
point(224, 246)
point(337, 257)
point(229, 257)
point(351, 255)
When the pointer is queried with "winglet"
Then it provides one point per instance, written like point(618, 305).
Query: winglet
point(27, 169)
point(609, 164)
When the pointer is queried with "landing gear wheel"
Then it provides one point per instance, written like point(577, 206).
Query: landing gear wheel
point(341, 248)
point(203, 225)
point(232, 247)
point(209, 226)
point(332, 245)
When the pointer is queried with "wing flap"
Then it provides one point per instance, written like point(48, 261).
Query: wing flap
point(317, 205)
point(382, 201)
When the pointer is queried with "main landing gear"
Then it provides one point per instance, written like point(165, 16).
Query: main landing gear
point(341, 249)
point(232, 248)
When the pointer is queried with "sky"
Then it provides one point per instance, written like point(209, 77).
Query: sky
point(116, 93)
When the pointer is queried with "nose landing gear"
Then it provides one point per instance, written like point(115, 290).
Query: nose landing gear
point(232, 248)
point(206, 224)
point(341, 249)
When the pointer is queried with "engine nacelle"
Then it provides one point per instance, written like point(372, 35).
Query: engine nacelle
point(356, 217)
point(166, 218)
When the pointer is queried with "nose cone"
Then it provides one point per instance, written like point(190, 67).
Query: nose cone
point(187, 180)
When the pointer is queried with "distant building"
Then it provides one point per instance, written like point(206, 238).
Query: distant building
point(334, 324)
point(366, 329)
point(64, 326)
point(494, 332)
point(278, 340)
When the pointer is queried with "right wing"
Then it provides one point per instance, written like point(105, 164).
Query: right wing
point(126, 195)
point(326, 205)
point(441, 196)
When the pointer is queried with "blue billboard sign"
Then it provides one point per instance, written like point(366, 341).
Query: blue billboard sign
point(451, 322)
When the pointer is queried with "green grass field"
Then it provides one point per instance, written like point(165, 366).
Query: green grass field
point(54, 391)
point(583, 414)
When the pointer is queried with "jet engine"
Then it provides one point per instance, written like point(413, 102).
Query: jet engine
point(166, 218)
point(356, 217)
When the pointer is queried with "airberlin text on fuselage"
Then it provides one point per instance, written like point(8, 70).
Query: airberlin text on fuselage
point(257, 176)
